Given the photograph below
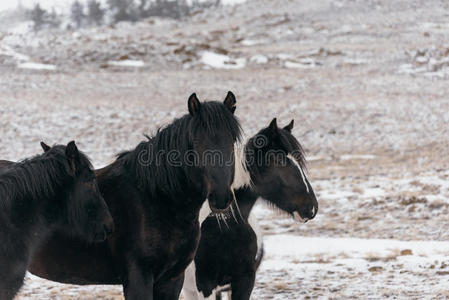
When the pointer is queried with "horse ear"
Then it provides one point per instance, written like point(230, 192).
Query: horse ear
point(289, 127)
point(45, 147)
point(71, 151)
point(193, 104)
point(230, 101)
point(273, 127)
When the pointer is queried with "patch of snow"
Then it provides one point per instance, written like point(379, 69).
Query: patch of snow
point(7, 51)
point(318, 157)
point(220, 61)
point(249, 42)
point(259, 59)
point(127, 63)
point(305, 247)
point(36, 66)
point(306, 63)
point(285, 56)
point(355, 61)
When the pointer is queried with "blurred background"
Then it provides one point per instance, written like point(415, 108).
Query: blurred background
point(365, 81)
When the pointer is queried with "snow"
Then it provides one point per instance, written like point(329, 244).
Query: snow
point(302, 64)
point(36, 66)
point(232, 2)
point(63, 5)
point(59, 5)
point(220, 61)
point(248, 42)
point(8, 51)
point(127, 63)
point(259, 59)
point(305, 247)
point(381, 174)
point(357, 156)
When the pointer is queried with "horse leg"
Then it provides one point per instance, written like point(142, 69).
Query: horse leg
point(169, 289)
point(138, 284)
point(10, 288)
point(242, 286)
point(11, 285)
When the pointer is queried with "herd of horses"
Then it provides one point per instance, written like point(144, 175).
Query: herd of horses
point(170, 215)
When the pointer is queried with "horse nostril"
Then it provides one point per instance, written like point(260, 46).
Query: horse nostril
point(313, 211)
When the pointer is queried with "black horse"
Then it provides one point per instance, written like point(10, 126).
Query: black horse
point(155, 193)
point(53, 191)
point(230, 253)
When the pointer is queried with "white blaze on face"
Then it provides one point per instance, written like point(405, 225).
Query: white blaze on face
point(304, 178)
point(241, 174)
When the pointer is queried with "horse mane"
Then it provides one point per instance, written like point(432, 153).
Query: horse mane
point(148, 162)
point(284, 140)
point(37, 177)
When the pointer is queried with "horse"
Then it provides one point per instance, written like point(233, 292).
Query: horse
point(55, 191)
point(155, 193)
point(272, 166)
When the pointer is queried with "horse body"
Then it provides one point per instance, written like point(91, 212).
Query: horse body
point(41, 195)
point(229, 254)
point(155, 207)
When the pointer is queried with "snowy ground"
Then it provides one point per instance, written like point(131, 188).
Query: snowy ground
point(365, 81)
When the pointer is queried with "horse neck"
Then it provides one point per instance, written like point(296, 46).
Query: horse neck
point(177, 201)
point(242, 176)
point(246, 197)
point(22, 185)
point(245, 192)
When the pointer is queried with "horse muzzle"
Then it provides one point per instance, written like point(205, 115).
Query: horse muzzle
point(220, 202)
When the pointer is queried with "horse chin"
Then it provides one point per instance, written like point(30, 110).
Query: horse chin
point(218, 210)
point(298, 217)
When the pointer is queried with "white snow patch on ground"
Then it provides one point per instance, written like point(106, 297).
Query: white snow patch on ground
point(383, 269)
point(259, 59)
point(220, 61)
point(127, 63)
point(318, 157)
point(302, 64)
point(249, 42)
point(305, 247)
point(36, 66)
point(8, 51)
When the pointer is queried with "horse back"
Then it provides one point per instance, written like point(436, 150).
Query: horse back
point(4, 165)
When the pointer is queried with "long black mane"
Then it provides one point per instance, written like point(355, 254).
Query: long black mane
point(150, 162)
point(37, 177)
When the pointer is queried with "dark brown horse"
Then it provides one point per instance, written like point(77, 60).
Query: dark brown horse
point(155, 193)
point(53, 191)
